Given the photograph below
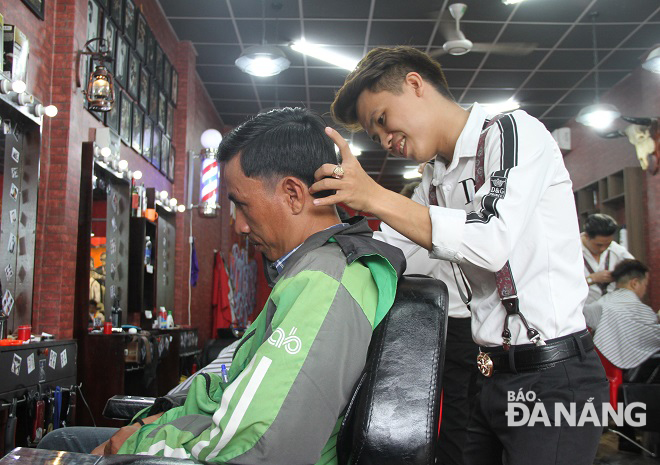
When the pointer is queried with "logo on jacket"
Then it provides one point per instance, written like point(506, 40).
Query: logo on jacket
point(291, 343)
point(497, 187)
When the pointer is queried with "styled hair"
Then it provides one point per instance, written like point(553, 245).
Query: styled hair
point(627, 270)
point(278, 143)
point(600, 224)
point(385, 69)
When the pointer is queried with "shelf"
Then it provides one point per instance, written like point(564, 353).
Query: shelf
point(616, 198)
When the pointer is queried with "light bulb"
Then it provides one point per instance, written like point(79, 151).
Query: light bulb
point(163, 196)
point(181, 208)
point(137, 175)
point(18, 86)
point(173, 202)
point(122, 165)
point(50, 111)
point(211, 139)
point(106, 152)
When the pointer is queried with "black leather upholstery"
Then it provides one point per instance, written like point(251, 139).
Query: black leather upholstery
point(126, 407)
point(393, 416)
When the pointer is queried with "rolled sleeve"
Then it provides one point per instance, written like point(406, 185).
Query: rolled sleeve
point(447, 225)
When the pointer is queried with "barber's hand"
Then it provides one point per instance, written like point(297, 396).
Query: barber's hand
point(355, 187)
point(604, 276)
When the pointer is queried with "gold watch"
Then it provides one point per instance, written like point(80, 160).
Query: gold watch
point(590, 280)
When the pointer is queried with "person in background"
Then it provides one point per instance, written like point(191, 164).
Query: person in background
point(497, 202)
point(626, 330)
point(601, 254)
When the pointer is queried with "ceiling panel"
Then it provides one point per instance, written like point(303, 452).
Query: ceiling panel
point(553, 82)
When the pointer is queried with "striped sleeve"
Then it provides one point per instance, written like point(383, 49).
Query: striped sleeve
point(519, 169)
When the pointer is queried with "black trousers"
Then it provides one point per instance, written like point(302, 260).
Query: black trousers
point(459, 388)
point(492, 441)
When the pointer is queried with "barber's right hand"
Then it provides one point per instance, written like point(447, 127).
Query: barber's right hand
point(604, 276)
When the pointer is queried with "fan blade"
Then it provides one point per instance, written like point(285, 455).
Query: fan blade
point(437, 53)
point(505, 48)
point(447, 28)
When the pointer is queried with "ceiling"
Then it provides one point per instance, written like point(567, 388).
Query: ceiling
point(551, 83)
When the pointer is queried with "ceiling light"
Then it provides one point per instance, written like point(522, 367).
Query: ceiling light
point(354, 150)
point(501, 107)
point(652, 62)
point(412, 173)
point(262, 61)
point(324, 54)
point(598, 116)
point(512, 2)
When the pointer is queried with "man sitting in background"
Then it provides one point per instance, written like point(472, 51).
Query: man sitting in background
point(296, 366)
point(627, 331)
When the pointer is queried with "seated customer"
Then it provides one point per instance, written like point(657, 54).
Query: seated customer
point(296, 366)
point(627, 331)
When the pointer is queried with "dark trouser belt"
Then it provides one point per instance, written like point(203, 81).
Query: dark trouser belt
point(530, 357)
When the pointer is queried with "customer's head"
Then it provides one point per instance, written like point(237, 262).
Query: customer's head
point(389, 94)
point(633, 275)
point(268, 166)
point(599, 230)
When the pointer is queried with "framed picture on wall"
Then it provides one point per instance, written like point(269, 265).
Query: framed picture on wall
point(129, 21)
point(134, 75)
point(162, 110)
point(37, 7)
point(167, 76)
point(153, 100)
point(170, 164)
point(155, 147)
point(136, 133)
point(104, 4)
point(175, 86)
point(165, 155)
point(116, 12)
point(158, 65)
point(110, 36)
point(93, 22)
point(141, 36)
point(121, 60)
point(112, 116)
point(145, 78)
point(169, 128)
point(125, 115)
point(150, 51)
point(146, 137)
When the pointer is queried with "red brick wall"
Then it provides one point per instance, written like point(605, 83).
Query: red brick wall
point(593, 157)
point(51, 78)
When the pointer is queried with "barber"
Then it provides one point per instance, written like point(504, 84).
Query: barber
point(495, 201)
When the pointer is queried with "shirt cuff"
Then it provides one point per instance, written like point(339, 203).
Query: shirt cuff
point(447, 225)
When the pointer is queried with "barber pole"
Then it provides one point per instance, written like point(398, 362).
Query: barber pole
point(209, 187)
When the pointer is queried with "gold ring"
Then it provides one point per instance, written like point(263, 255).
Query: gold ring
point(338, 172)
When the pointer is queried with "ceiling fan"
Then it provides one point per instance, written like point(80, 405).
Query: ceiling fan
point(457, 44)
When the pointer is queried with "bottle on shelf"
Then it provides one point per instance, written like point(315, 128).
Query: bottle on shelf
point(147, 251)
point(116, 313)
point(170, 320)
point(162, 318)
point(135, 199)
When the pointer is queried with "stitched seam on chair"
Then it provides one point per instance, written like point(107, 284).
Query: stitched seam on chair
point(432, 390)
point(377, 361)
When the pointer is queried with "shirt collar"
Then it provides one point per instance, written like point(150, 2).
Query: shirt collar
point(466, 144)
point(278, 265)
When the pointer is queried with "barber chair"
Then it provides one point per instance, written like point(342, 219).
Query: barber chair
point(392, 417)
point(637, 386)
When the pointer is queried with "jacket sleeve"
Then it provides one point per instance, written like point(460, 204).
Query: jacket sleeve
point(521, 163)
point(284, 405)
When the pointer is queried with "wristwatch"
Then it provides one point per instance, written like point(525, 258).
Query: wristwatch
point(590, 280)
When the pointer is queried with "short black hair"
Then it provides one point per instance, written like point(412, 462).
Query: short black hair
point(600, 224)
point(629, 269)
point(280, 142)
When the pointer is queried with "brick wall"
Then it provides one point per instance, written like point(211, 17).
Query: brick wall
point(52, 79)
point(593, 157)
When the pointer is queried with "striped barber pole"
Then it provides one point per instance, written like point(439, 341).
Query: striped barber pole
point(209, 183)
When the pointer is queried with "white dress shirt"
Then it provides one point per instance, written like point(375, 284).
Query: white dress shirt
point(617, 254)
point(531, 222)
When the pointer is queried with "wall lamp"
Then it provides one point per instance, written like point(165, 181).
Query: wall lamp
point(100, 89)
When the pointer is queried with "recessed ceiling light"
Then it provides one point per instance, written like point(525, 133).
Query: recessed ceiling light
point(262, 61)
point(324, 54)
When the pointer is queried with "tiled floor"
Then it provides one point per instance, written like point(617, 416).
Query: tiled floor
point(608, 454)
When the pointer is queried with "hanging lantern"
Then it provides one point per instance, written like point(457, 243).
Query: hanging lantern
point(100, 90)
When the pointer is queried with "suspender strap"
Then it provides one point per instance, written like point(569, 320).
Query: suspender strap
point(602, 286)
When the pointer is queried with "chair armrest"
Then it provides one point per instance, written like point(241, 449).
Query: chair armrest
point(125, 407)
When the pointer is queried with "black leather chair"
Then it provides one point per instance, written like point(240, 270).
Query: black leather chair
point(392, 417)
